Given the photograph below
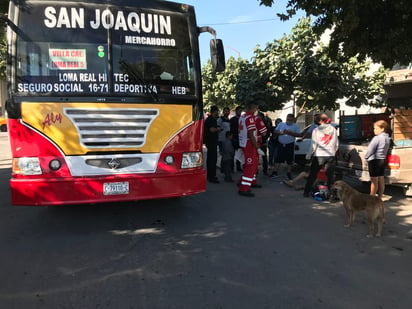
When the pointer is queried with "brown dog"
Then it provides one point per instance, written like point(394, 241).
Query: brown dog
point(354, 200)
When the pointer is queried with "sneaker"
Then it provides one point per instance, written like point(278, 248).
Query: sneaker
point(246, 193)
point(213, 180)
point(289, 175)
point(274, 174)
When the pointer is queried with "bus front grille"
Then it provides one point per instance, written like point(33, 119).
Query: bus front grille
point(112, 128)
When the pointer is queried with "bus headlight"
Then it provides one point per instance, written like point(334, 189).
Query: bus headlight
point(192, 159)
point(27, 166)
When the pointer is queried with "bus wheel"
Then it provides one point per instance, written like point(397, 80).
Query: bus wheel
point(3, 128)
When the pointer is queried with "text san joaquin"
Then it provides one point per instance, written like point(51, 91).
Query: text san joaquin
point(75, 18)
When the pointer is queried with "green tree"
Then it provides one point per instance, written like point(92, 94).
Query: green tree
point(239, 84)
point(254, 86)
point(295, 67)
point(379, 29)
point(299, 66)
point(220, 88)
point(3, 52)
point(4, 6)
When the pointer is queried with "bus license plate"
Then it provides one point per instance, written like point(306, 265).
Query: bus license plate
point(113, 188)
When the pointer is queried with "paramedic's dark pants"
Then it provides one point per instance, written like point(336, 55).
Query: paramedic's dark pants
point(317, 163)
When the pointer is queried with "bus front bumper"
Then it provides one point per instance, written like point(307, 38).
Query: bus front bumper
point(86, 190)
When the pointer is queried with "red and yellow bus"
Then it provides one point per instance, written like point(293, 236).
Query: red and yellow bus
point(104, 102)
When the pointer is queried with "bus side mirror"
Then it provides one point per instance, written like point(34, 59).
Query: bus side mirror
point(217, 55)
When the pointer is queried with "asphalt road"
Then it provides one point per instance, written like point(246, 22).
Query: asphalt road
point(211, 250)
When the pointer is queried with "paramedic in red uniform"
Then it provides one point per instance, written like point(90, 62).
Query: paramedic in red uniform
point(248, 143)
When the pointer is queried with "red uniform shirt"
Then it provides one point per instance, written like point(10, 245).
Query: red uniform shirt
point(246, 124)
point(261, 128)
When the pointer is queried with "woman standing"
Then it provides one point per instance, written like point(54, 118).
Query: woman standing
point(376, 157)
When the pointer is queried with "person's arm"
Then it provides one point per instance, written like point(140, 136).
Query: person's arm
point(218, 127)
point(252, 139)
point(371, 148)
point(292, 133)
point(278, 130)
point(313, 146)
point(295, 132)
point(233, 125)
point(215, 129)
point(308, 132)
point(337, 142)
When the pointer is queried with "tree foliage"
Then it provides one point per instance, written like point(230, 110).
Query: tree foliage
point(379, 29)
point(295, 67)
point(4, 6)
point(252, 86)
point(300, 64)
point(220, 88)
point(3, 57)
point(240, 83)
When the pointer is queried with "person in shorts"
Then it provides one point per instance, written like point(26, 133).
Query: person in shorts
point(376, 156)
point(286, 131)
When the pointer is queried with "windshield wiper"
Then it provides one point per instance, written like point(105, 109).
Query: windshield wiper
point(134, 74)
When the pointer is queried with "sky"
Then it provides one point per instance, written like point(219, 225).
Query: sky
point(240, 24)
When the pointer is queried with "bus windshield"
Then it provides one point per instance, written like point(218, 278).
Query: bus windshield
point(73, 49)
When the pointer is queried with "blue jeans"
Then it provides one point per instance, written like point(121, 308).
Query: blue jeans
point(273, 149)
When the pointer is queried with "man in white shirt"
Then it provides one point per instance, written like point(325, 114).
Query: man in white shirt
point(286, 131)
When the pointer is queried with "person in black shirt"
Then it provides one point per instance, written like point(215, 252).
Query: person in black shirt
point(234, 128)
point(265, 140)
point(224, 124)
point(210, 138)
